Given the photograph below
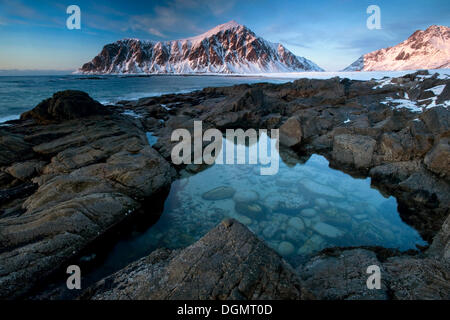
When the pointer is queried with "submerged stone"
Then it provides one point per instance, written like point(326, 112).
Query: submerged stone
point(219, 193)
point(321, 189)
point(313, 244)
point(246, 196)
point(285, 248)
point(251, 209)
point(296, 223)
point(269, 231)
point(327, 230)
point(308, 212)
point(321, 202)
point(292, 201)
point(295, 235)
point(244, 220)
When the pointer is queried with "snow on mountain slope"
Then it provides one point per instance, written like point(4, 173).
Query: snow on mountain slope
point(228, 48)
point(429, 49)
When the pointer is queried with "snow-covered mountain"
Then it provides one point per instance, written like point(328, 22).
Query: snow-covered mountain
point(429, 49)
point(227, 48)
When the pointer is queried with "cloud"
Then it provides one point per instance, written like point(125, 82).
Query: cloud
point(171, 17)
point(156, 32)
point(20, 10)
point(219, 7)
point(16, 12)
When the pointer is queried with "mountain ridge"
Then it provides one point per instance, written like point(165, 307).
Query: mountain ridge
point(229, 48)
point(424, 49)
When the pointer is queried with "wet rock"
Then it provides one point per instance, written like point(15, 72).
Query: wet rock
point(291, 132)
point(440, 248)
point(285, 248)
point(250, 209)
point(321, 189)
point(438, 159)
point(313, 244)
point(444, 96)
point(341, 274)
point(354, 150)
point(246, 196)
point(65, 105)
point(342, 277)
point(321, 202)
point(227, 263)
point(295, 235)
point(418, 279)
point(99, 171)
point(337, 217)
point(437, 119)
point(50, 236)
point(219, 193)
point(308, 212)
point(292, 201)
point(13, 148)
point(272, 201)
point(25, 170)
point(393, 173)
point(327, 230)
point(269, 231)
point(244, 220)
point(296, 223)
point(17, 192)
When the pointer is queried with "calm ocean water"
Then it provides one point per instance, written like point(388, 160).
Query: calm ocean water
point(21, 93)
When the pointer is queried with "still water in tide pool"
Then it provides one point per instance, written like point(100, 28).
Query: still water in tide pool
point(301, 210)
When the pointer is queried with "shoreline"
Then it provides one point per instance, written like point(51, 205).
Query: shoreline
point(283, 77)
point(357, 75)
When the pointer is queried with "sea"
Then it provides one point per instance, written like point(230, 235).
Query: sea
point(22, 93)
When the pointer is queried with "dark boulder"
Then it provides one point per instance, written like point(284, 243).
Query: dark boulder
point(438, 159)
point(445, 95)
point(65, 105)
point(437, 120)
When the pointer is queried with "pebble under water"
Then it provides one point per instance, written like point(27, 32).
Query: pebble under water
point(301, 210)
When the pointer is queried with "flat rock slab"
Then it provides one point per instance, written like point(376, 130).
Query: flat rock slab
point(227, 263)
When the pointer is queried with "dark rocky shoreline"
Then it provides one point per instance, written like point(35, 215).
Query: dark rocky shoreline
point(71, 174)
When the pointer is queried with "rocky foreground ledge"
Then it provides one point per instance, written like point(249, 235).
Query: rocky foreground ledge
point(73, 172)
point(230, 262)
point(227, 263)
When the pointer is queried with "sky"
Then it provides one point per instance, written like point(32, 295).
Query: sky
point(332, 33)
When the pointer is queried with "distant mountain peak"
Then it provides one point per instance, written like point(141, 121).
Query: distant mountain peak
point(228, 26)
point(227, 48)
point(424, 49)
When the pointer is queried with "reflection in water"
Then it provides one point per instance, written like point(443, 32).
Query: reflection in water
point(151, 138)
point(302, 209)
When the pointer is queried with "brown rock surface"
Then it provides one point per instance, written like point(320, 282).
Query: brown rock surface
point(290, 132)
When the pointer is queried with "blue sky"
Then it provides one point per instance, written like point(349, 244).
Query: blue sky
point(332, 33)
